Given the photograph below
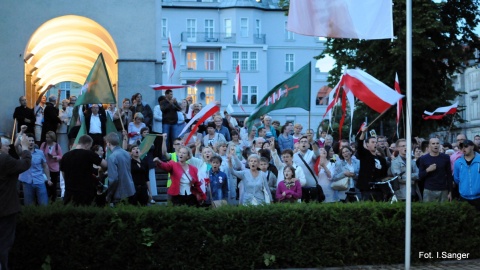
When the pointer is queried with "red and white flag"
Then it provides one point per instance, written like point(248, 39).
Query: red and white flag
point(361, 126)
point(440, 112)
point(173, 86)
point(173, 61)
point(238, 85)
point(201, 116)
point(399, 103)
point(366, 19)
point(374, 93)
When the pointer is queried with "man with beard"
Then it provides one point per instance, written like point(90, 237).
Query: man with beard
point(434, 169)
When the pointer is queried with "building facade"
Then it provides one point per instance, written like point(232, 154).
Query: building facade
point(50, 43)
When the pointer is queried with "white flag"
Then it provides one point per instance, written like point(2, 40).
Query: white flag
point(358, 19)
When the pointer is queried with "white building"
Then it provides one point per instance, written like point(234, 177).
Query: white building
point(209, 39)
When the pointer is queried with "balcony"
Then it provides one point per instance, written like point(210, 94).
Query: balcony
point(206, 75)
point(198, 37)
point(209, 37)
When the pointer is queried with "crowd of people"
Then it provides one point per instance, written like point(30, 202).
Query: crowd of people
point(253, 161)
point(224, 161)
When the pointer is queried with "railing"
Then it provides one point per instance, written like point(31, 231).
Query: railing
point(195, 37)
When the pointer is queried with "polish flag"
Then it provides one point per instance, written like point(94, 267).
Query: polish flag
point(366, 19)
point(399, 103)
point(174, 86)
point(172, 56)
point(374, 93)
point(238, 85)
point(440, 112)
point(361, 126)
point(201, 116)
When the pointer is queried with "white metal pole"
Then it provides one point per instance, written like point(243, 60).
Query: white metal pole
point(408, 210)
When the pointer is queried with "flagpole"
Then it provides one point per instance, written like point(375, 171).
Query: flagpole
point(13, 131)
point(451, 124)
point(378, 117)
point(119, 115)
point(408, 210)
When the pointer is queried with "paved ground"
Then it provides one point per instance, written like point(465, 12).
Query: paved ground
point(451, 265)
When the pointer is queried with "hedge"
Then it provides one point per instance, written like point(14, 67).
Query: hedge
point(274, 236)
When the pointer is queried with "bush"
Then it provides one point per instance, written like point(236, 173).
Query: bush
point(274, 236)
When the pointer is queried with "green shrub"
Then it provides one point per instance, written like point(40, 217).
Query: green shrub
point(274, 236)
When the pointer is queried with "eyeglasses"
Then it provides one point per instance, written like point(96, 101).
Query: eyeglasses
point(177, 144)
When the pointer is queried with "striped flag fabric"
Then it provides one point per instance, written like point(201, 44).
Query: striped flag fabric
point(399, 103)
point(161, 87)
point(198, 119)
point(173, 61)
point(440, 112)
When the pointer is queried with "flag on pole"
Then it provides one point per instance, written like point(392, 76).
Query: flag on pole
point(238, 85)
point(146, 144)
point(173, 86)
point(366, 19)
point(399, 103)
point(199, 118)
point(293, 92)
point(97, 88)
point(440, 112)
point(374, 93)
point(172, 60)
point(361, 126)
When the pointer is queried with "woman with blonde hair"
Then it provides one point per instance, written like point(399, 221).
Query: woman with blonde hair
point(53, 153)
point(253, 186)
point(185, 188)
point(135, 127)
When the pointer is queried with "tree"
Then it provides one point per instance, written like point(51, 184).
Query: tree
point(443, 41)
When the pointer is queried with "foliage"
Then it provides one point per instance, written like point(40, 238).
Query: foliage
point(274, 236)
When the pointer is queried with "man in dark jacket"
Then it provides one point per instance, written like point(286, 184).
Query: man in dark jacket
point(10, 168)
point(373, 168)
point(96, 125)
point(169, 108)
point(24, 116)
point(51, 122)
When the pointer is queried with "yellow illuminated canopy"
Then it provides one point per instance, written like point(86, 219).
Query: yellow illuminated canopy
point(65, 49)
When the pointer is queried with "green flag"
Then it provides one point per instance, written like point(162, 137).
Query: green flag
point(146, 144)
point(293, 92)
point(97, 88)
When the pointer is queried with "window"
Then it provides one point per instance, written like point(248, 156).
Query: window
point(289, 62)
point(244, 27)
point(208, 28)
point(248, 60)
point(228, 28)
point(192, 61)
point(253, 61)
point(192, 91)
point(209, 61)
point(249, 95)
point(234, 60)
point(65, 88)
point(209, 94)
point(288, 35)
point(473, 82)
point(244, 61)
point(191, 28)
point(258, 28)
point(164, 28)
point(474, 107)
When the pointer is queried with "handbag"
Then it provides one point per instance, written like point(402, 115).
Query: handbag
point(341, 184)
point(216, 203)
point(193, 190)
point(320, 194)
